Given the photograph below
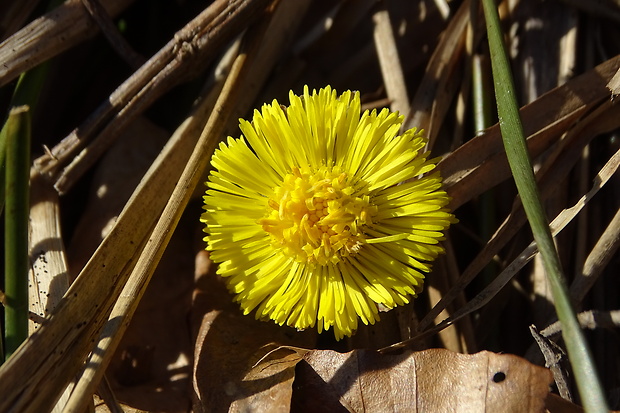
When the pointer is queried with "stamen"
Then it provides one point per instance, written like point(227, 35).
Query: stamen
point(274, 205)
point(318, 217)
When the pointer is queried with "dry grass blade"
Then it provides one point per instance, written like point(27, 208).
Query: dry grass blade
point(392, 71)
point(79, 317)
point(49, 273)
point(110, 31)
point(599, 257)
point(172, 159)
point(587, 319)
point(50, 35)
point(614, 85)
point(190, 177)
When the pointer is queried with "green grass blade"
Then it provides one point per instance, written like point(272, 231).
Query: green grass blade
point(27, 93)
point(16, 228)
point(511, 128)
point(2, 165)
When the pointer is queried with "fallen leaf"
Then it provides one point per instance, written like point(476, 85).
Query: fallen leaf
point(556, 404)
point(435, 380)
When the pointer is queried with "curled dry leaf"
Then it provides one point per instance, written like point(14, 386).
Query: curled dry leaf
point(435, 380)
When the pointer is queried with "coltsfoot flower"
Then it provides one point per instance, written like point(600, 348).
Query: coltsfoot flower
point(319, 214)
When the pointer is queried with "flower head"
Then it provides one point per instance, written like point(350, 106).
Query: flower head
point(318, 214)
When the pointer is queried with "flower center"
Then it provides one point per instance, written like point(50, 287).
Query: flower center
point(318, 217)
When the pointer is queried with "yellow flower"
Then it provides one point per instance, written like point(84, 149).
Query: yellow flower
point(318, 213)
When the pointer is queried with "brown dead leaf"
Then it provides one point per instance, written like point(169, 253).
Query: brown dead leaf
point(556, 404)
point(435, 380)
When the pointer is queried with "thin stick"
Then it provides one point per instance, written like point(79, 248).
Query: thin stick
point(391, 69)
point(118, 42)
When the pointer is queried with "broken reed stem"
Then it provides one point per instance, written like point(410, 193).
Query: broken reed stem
point(391, 68)
point(110, 31)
